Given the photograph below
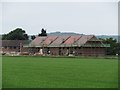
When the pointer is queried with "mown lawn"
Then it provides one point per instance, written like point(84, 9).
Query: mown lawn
point(46, 72)
point(0, 72)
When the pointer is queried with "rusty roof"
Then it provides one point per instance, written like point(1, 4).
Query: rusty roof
point(61, 41)
point(49, 40)
point(37, 41)
point(84, 39)
point(72, 40)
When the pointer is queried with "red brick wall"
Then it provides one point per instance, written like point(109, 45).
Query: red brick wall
point(78, 51)
point(54, 51)
point(93, 51)
point(62, 51)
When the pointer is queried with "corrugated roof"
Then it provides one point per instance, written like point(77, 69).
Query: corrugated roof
point(72, 40)
point(84, 39)
point(49, 40)
point(61, 41)
point(37, 41)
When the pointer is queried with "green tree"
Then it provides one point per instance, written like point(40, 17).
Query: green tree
point(118, 48)
point(33, 37)
point(43, 32)
point(17, 34)
point(113, 49)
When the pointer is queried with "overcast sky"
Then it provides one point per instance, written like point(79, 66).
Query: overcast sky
point(100, 18)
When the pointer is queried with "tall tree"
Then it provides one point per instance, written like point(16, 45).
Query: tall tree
point(17, 34)
point(43, 32)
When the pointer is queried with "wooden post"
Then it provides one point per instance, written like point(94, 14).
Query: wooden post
point(20, 47)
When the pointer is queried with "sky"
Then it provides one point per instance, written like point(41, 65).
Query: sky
point(99, 18)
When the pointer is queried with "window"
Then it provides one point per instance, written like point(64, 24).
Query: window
point(75, 48)
point(14, 47)
point(79, 47)
point(10, 47)
point(5, 47)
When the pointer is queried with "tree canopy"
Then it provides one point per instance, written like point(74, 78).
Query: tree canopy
point(33, 37)
point(17, 34)
point(43, 32)
point(113, 49)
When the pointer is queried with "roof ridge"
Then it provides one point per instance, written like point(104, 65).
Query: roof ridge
point(44, 40)
point(88, 38)
point(65, 40)
point(77, 40)
point(53, 40)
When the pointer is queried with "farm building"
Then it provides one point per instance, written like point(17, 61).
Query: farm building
point(13, 46)
point(87, 45)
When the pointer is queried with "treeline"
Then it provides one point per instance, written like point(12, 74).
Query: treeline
point(114, 48)
point(20, 34)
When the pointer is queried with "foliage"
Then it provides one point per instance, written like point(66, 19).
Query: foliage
point(33, 37)
point(112, 50)
point(118, 48)
point(17, 34)
point(43, 32)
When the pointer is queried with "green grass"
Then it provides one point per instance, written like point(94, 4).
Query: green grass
point(46, 72)
point(0, 72)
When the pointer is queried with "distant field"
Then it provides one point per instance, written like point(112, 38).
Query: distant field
point(46, 72)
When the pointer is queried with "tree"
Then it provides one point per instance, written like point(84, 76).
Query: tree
point(118, 48)
point(43, 32)
point(17, 34)
point(112, 50)
point(33, 37)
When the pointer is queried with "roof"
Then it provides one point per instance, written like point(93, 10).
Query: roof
point(37, 41)
point(84, 39)
point(4, 43)
point(72, 40)
point(62, 41)
point(55, 41)
point(49, 40)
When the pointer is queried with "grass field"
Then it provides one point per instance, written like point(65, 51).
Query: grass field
point(46, 72)
point(0, 72)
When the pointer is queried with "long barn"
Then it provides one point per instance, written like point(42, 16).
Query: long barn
point(87, 45)
point(84, 45)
